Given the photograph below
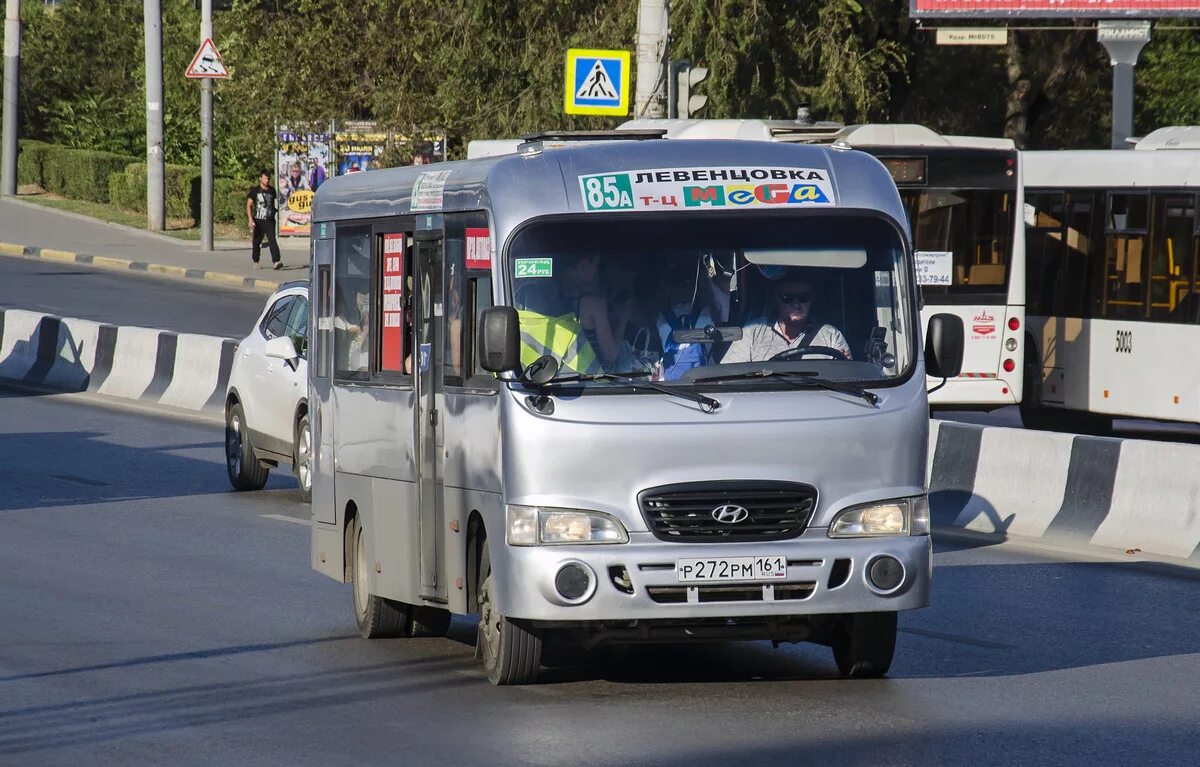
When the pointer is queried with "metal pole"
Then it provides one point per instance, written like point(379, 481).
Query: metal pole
point(1122, 104)
point(651, 58)
point(206, 143)
point(155, 207)
point(12, 79)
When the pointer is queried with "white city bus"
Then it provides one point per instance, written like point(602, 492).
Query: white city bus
point(962, 194)
point(1113, 308)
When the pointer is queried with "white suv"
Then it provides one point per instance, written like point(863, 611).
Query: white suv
point(266, 405)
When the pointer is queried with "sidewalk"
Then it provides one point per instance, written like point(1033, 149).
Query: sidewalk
point(28, 229)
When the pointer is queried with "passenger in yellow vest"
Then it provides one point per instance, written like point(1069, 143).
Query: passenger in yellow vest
point(570, 318)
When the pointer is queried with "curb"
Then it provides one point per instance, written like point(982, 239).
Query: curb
point(184, 371)
point(121, 264)
point(1123, 497)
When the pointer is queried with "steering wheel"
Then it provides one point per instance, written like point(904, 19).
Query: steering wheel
point(800, 352)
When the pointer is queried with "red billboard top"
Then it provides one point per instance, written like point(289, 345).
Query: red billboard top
point(1093, 9)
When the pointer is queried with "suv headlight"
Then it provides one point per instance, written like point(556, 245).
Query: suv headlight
point(903, 516)
point(541, 525)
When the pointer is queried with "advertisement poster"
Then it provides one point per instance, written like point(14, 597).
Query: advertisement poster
point(393, 302)
point(302, 163)
point(934, 267)
point(358, 146)
point(424, 149)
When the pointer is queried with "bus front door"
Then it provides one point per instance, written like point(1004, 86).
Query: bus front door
point(429, 331)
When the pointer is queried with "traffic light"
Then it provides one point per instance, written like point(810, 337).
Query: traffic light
point(686, 78)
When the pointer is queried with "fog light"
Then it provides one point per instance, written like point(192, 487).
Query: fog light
point(885, 573)
point(573, 582)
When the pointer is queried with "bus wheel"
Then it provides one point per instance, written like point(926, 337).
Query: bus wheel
point(511, 652)
point(865, 645)
point(428, 621)
point(241, 462)
point(377, 617)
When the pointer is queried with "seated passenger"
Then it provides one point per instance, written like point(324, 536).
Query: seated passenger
point(794, 326)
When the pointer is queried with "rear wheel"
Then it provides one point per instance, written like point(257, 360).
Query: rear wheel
point(241, 462)
point(377, 617)
point(302, 457)
point(865, 645)
point(511, 651)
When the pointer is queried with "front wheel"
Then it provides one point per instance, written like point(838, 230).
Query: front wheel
point(241, 462)
point(511, 652)
point(865, 645)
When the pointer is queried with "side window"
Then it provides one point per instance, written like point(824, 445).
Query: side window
point(275, 322)
point(468, 263)
point(352, 305)
point(1043, 249)
point(1171, 267)
point(324, 319)
point(1126, 257)
point(297, 326)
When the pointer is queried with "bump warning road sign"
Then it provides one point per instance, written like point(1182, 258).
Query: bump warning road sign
point(597, 82)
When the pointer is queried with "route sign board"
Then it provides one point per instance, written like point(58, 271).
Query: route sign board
point(207, 63)
point(597, 82)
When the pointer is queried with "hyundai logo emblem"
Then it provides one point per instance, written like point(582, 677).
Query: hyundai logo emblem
point(729, 514)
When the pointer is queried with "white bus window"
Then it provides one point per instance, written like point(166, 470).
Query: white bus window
point(1171, 267)
point(352, 305)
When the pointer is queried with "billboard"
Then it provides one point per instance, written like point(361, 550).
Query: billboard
point(1087, 9)
point(301, 165)
point(358, 146)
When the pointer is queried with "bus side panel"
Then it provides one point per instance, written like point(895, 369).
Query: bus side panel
point(471, 469)
point(392, 532)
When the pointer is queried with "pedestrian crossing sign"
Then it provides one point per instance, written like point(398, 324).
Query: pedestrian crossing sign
point(597, 82)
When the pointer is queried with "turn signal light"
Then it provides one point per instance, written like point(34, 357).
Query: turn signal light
point(1014, 323)
point(1009, 366)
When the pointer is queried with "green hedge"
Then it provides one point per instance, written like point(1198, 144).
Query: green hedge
point(31, 157)
point(229, 200)
point(127, 189)
point(81, 174)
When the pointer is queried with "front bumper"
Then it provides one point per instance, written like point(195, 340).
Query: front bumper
point(527, 591)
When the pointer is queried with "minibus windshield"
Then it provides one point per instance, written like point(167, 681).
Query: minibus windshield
point(714, 300)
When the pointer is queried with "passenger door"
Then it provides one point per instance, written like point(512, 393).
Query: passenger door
point(429, 331)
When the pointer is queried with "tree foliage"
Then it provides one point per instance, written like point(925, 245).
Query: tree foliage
point(493, 68)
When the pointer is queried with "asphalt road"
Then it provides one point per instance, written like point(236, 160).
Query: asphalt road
point(151, 616)
point(121, 298)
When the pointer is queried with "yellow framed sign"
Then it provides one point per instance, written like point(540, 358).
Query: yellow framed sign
point(597, 82)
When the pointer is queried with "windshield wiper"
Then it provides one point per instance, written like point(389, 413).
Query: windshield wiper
point(799, 379)
point(633, 378)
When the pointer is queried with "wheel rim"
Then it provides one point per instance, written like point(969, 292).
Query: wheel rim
point(360, 576)
point(233, 446)
point(489, 621)
point(305, 459)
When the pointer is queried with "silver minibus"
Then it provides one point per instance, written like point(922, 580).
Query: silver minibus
point(624, 390)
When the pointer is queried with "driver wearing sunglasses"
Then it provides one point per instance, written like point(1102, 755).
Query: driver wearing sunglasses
point(793, 328)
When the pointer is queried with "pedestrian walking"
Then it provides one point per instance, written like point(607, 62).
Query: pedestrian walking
point(262, 201)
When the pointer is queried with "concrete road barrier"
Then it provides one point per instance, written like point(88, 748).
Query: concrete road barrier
point(1120, 495)
point(180, 370)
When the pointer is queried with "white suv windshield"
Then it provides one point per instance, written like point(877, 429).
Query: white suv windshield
point(691, 299)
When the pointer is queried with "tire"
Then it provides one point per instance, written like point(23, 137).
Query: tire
point(428, 621)
point(865, 645)
point(377, 617)
point(511, 651)
point(241, 462)
point(302, 457)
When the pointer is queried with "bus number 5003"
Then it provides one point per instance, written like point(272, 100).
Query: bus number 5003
point(1125, 341)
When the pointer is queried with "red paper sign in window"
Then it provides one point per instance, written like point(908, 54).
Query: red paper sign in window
point(479, 249)
point(393, 302)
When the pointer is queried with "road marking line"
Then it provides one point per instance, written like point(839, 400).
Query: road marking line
point(293, 520)
point(63, 256)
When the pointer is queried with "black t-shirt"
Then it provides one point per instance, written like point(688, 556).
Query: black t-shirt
point(264, 202)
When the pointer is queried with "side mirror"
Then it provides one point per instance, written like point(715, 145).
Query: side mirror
point(499, 339)
point(944, 346)
point(281, 348)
